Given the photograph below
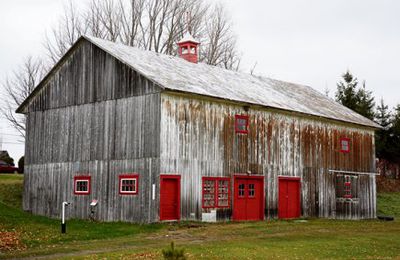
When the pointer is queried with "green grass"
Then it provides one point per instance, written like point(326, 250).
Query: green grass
point(389, 204)
point(38, 231)
point(312, 239)
point(11, 189)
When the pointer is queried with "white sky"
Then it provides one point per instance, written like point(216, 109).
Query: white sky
point(310, 42)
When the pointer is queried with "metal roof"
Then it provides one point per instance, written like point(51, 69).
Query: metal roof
point(176, 74)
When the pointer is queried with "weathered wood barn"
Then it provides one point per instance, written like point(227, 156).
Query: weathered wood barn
point(153, 137)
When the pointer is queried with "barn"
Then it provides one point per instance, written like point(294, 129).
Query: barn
point(154, 137)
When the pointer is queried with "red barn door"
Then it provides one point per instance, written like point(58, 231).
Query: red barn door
point(170, 187)
point(248, 198)
point(289, 197)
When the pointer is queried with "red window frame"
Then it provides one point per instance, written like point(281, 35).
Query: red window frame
point(341, 145)
point(216, 191)
point(82, 178)
point(237, 129)
point(128, 177)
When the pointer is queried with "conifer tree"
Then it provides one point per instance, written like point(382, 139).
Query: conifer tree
point(393, 144)
point(365, 102)
point(383, 136)
point(359, 100)
point(346, 91)
point(383, 115)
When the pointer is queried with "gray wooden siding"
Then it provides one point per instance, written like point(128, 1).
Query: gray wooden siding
point(115, 129)
point(89, 75)
point(103, 140)
point(48, 185)
point(96, 117)
point(198, 139)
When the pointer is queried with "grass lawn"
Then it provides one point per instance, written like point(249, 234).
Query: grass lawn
point(25, 235)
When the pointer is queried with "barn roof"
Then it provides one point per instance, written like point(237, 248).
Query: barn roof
point(176, 74)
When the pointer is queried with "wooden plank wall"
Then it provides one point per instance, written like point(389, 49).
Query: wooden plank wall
point(94, 117)
point(198, 139)
point(89, 75)
point(51, 184)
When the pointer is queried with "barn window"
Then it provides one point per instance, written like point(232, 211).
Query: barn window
point(251, 190)
point(345, 145)
point(346, 186)
point(241, 189)
point(216, 192)
point(241, 124)
point(82, 185)
point(128, 184)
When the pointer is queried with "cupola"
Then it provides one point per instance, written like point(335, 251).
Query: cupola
point(189, 48)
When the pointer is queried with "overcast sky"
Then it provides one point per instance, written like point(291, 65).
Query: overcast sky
point(310, 42)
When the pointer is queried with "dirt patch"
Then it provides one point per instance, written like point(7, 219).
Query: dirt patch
point(10, 241)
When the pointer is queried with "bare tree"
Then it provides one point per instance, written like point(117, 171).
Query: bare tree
point(17, 87)
point(221, 43)
point(69, 28)
point(155, 25)
point(131, 19)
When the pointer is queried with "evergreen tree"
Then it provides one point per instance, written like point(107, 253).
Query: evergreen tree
point(383, 136)
point(365, 103)
point(346, 91)
point(393, 144)
point(21, 164)
point(382, 115)
point(5, 157)
point(359, 100)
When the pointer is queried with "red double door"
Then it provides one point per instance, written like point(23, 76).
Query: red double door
point(248, 198)
point(289, 197)
point(170, 187)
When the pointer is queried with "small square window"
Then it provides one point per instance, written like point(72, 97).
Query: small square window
point(128, 184)
point(345, 145)
point(82, 185)
point(241, 124)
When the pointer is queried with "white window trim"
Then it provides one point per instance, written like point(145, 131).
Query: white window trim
point(134, 185)
point(81, 191)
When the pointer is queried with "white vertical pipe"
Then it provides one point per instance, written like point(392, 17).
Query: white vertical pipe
point(63, 212)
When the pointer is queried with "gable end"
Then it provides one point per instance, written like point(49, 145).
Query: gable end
point(86, 74)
